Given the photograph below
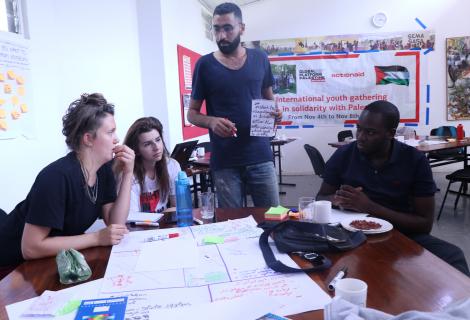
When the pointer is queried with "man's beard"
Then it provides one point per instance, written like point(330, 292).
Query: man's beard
point(229, 47)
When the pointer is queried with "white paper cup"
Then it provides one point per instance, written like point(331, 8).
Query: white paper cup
point(352, 290)
point(200, 151)
point(322, 211)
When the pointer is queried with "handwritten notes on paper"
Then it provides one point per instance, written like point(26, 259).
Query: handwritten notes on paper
point(223, 272)
point(262, 122)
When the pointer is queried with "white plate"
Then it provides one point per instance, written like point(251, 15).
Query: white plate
point(386, 226)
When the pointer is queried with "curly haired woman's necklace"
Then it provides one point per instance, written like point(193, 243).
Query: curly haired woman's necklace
point(91, 192)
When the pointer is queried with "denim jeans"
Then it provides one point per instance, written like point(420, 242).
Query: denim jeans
point(259, 180)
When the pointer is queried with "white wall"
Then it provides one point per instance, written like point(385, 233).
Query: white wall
point(162, 26)
point(76, 47)
point(273, 19)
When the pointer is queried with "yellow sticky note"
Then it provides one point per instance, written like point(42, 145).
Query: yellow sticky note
point(2, 101)
point(3, 125)
point(15, 115)
point(213, 240)
point(277, 210)
point(3, 114)
point(11, 74)
point(7, 88)
point(15, 100)
point(19, 80)
point(20, 91)
point(2, 77)
point(24, 108)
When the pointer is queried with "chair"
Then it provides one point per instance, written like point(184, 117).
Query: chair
point(462, 176)
point(206, 145)
point(342, 135)
point(316, 159)
point(447, 154)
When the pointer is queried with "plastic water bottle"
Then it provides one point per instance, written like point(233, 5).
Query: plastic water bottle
point(184, 203)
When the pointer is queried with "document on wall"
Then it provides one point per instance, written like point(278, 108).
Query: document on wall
point(262, 122)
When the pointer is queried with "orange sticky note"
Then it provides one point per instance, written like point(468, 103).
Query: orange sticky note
point(15, 100)
point(15, 115)
point(11, 74)
point(19, 80)
point(3, 114)
point(24, 108)
point(3, 125)
point(20, 91)
point(6, 88)
point(2, 77)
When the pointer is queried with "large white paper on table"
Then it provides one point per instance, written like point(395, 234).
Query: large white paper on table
point(144, 217)
point(262, 122)
point(167, 254)
point(225, 272)
point(338, 215)
point(248, 307)
point(88, 290)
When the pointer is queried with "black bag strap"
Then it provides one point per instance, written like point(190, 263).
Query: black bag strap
point(277, 265)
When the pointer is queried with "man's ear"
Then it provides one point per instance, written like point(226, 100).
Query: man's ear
point(242, 28)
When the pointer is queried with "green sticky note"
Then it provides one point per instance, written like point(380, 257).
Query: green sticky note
point(69, 307)
point(277, 210)
point(213, 239)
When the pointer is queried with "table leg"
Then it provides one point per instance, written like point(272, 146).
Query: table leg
point(277, 153)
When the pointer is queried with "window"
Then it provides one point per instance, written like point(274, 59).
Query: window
point(11, 17)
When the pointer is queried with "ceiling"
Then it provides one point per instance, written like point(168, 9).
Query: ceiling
point(211, 4)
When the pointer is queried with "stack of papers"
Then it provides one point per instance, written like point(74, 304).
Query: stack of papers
point(278, 213)
point(144, 217)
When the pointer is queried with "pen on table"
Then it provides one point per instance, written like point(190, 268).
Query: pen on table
point(198, 221)
point(146, 223)
point(162, 237)
point(339, 276)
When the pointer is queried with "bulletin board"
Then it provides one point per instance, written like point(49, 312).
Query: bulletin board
point(186, 61)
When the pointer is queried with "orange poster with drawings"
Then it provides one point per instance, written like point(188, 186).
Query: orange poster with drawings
point(16, 112)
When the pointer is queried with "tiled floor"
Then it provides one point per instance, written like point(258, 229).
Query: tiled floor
point(453, 226)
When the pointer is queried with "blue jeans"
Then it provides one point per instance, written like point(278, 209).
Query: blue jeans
point(259, 180)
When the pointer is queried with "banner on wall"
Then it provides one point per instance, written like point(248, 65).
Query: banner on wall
point(330, 79)
point(335, 89)
point(186, 62)
point(16, 110)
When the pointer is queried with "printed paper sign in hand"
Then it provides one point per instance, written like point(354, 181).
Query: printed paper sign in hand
point(262, 122)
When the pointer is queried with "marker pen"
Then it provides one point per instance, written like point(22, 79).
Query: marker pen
point(198, 221)
point(146, 223)
point(339, 276)
point(162, 237)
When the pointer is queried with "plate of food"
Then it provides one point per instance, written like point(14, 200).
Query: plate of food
point(368, 225)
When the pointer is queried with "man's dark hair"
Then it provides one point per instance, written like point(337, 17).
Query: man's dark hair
point(389, 112)
point(226, 8)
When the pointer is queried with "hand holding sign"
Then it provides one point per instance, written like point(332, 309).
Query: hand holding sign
point(262, 120)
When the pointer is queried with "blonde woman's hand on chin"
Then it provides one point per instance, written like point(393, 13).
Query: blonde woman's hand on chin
point(112, 234)
point(124, 157)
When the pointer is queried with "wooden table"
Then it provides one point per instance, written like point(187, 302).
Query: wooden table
point(400, 274)
point(432, 147)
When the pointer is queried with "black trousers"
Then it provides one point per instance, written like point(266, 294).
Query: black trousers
point(448, 252)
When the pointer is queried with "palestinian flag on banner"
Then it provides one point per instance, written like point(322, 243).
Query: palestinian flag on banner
point(392, 74)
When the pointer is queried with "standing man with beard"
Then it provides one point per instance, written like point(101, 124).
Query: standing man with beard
point(387, 179)
point(228, 80)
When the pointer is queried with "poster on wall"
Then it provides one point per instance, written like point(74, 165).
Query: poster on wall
point(186, 62)
point(329, 80)
point(458, 78)
point(16, 110)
